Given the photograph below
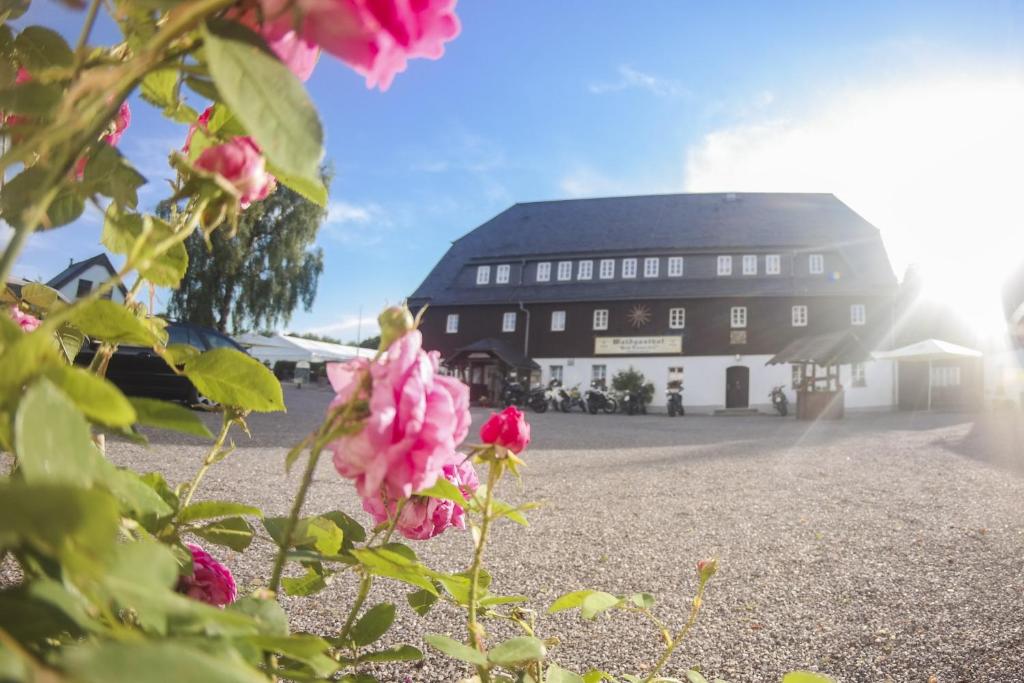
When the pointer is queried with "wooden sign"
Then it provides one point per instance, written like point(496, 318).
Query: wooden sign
point(628, 346)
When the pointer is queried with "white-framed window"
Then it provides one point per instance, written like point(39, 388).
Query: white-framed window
point(725, 265)
point(508, 322)
point(858, 314)
point(607, 271)
point(501, 274)
point(451, 324)
point(651, 267)
point(600, 318)
point(557, 321)
point(675, 376)
point(816, 264)
point(750, 264)
point(738, 317)
point(772, 264)
point(945, 376)
point(677, 318)
point(799, 316)
point(629, 267)
point(675, 266)
point(794, 374)
point(598, 374)
point(556, 373)
point(483, 275)
point(544, 271)
point(585, 271)
point(564, 270)
point(858, 375)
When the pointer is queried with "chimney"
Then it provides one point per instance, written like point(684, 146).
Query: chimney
point(71, 262)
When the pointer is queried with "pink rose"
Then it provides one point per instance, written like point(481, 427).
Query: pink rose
point(345, 378)
point(121, 122)
point(26, 321)
point(210, 582)
point(241, 163)
point(508, 428)
point(424, 517)
point(417, 419)
point(374, 37)
point(297, 53)
point(201, 122)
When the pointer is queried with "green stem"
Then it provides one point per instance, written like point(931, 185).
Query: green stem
point(493, 475)
point(208, 461)
point(293, 519)
point(364, 591)
point(680, 637)
point(83, 37)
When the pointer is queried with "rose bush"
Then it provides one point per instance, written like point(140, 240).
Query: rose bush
point(110, 582)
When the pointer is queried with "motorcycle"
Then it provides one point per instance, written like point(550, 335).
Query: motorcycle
point(633, 403)
point(674, 396)
point(779, 401)
point(597, 398)
point(513, 394)
point(571, 399)
point(538, 399)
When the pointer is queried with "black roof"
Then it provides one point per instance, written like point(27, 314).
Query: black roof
point(713, 222)
point(834, 348)
point(75, 269)
point(497, 348)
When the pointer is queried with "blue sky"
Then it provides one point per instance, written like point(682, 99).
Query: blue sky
point(895, 107)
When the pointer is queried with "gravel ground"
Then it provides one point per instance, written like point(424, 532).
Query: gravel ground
point(879, 548)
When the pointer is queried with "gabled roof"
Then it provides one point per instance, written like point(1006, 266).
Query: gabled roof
point(496, 348)
point(835, 348)
point(661, 223)
point(75, 269)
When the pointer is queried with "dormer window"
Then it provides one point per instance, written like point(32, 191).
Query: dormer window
point(772, 264)
point(725, 265)
point(650, 267)
point(585, 271)
point(501, 274)
point(564, 270)
point(629, 267)
point(607, 271)
point(675, 266)
point(816, 264)
point(750, 264)
point(543, 271)
point(799, 316)
point(483, 275)
point(858, 314)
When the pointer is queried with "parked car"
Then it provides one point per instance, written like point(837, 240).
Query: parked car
point(137, 371)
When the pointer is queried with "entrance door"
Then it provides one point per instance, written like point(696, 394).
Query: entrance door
point(737, 387)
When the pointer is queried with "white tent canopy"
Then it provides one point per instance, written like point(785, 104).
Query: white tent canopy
point(928, 351)
point(282, 347)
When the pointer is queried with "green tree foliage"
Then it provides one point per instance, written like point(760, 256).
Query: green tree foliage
point(259, 275)
point(633, 380)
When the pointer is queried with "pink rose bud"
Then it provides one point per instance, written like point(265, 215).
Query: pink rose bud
point(424, 517)
point(508, 428)
point(394, 322)
point(241, 163)
point(122, 120)
point(210, 582)
point(706, 569)
point(26, 321)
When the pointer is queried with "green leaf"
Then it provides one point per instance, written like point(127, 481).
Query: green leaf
point(31, 98)
point(178, 354)
point(266, 96)
point(165, 415)
point(517, 652)
point(122, 233)
point(95, 396)
point(445, 490)
point(398, 562)
point(312, 189)
point(268, 614)
point(14, 8)
point(805, 677)
point(373, 624)
point(232, 378)
point(39, 295)
point(66, 207)
point(233, 532)
point(39, 48)
point(69, 340)
point(144, 661)
point(111, 322)
point(694, 676)
point(502, 509)
point(28, 187)
point(494, 600)
point(109, 173)
point(209, 509)
point(569, 601)
point(137, 496)
point(455, 649)
point(598, 602)
point(303, 647)
point(159, 86)
point(310, 583)
point(557, 674)
point(399, 653)
point(421, 601)
point(597, 676)
point(320, 534)
point(642, 600)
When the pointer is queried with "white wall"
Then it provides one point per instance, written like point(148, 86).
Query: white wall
point(95, 274)
point(704, 379)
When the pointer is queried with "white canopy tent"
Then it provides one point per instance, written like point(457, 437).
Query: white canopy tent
point(282, 347)
point(928, 351)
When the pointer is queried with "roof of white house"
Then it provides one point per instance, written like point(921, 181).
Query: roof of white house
point(929, 350)
point(288, 348)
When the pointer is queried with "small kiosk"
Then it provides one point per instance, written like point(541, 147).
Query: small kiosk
point(819, 392)
point(485, 365)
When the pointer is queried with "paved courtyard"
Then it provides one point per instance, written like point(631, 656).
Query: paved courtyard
point(883, 547)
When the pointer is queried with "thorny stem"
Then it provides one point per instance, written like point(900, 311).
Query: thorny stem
point(475, 639)
point(208, 461)
point(680, 637)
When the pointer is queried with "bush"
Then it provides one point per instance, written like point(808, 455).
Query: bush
point(633, 381)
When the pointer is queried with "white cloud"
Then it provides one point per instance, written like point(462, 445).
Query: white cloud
point(463, 151)
point(356, 224)
point(630, 78)
point(935, 163)
point(586, 181)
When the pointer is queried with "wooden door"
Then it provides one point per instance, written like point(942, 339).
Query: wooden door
point(737, 387)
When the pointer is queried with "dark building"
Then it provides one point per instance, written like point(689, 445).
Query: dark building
point(682, 286)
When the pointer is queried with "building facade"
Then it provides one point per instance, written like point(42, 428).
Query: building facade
point(680, 287)
point(81, 277)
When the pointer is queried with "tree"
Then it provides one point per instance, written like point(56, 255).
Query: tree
point(258, 276)
point(369, 342)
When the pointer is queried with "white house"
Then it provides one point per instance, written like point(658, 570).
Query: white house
point(78, 279)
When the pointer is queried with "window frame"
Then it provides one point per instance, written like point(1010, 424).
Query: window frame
point(560, 373)
point(505, 319)
point(79, 292)
point(738, 322)
point(449, 327)
point(564, 268)
point(862, 319)
point(502, 273)
point(815, 264)
point(598, 314)
point(649, 271)
point(749, 260)
point(799, 316)
point(773, 264)
point(610, 262)
point(628, 268)
point(483, 275)
point(560, 316)
point(585, 270)
point(543, 271)
point(677, 311)
point(603, 379)
point(858, 375)
point(673, 261)
point(724, 265)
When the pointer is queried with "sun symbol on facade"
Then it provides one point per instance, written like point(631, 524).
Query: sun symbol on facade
point(639, 316)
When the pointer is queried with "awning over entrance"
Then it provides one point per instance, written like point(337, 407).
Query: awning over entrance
point(836, 348)
point(927, 351)
point(495, 349)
